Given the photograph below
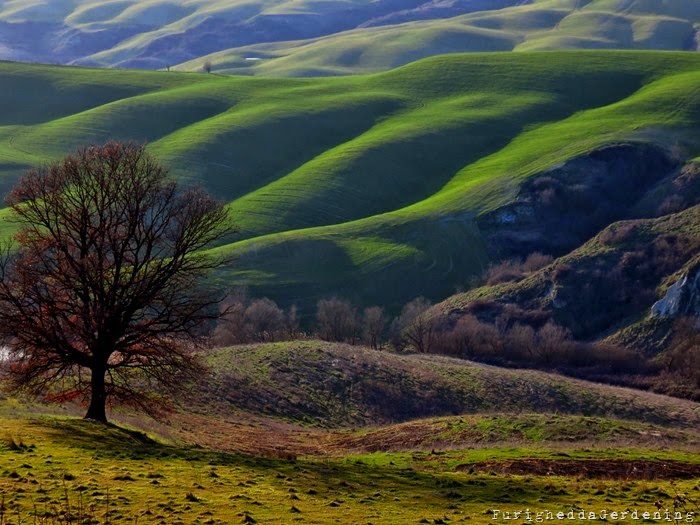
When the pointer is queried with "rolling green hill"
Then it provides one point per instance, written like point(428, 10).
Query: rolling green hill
point(311, 38)
point(336, 385)
point(356, 186)
point(539, 25)
point(153, 34)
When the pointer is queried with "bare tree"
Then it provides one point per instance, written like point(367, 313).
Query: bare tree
point(207, 66)
point(553, 343)
point(101, 293)
point(266, 320)
point(373, 322)
point(292, 322)
point(233, 327)
point(683, 355)
point(418, 328)
point(337, 320)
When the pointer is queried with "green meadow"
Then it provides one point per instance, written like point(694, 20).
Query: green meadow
point(536, 26)
point(215, 458)
point(356, 185)
point(70, 471)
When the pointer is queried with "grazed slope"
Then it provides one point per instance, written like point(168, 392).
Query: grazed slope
point(66, 467)
point(357, 186)
point(540, 25)
point(339, 385)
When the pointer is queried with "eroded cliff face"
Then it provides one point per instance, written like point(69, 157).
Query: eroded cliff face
point(562, 208)
point(606, 285)
point(682, 297)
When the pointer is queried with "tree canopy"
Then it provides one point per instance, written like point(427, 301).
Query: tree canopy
point(101, 290)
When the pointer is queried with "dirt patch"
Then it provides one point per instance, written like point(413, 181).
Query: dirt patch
point(589, 468)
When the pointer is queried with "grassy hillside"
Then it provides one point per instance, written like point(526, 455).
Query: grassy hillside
point(627, 267)
point(213, 462)
point(64, 469)
point(538, 25)
point(331, 385)
point(310, 38)
point(356, 186)
point(153, 34)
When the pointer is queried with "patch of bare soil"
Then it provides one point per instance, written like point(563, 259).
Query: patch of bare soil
point(589, 468)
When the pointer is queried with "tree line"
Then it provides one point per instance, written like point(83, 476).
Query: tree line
point(258, 320)
point(514, 338)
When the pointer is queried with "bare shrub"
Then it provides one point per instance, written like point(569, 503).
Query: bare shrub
point(418, 328)
point(373, 323)
point(248, 320)
point(520, 343)
point(336, 320)
point(512, 314)
point(672, 204)
point(472, 339)
point(553, 344)
point(292, 323)
point(536, 261)
point(514, 269)
point(561, 271)
point(266, 320)
point(618, 233)
point(683, 356)
point(505, 272)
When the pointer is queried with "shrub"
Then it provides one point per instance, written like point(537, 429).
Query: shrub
point(373, 323)
point(337, 320)
point(265, 319)
point(505, 272)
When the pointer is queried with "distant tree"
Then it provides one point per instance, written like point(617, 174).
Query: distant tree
point(521, 343)
point(100, 293)
point(233, 327)
point(292, 322)
point(207, 66)
point(683, 356)
point(336, 320)
point(553, 344)
point(266, 320)
point(374, 323)
point(395, 335)
point(476, 339)
point(418, 328)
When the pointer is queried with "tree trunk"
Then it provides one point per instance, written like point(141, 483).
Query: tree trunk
point(98, 397)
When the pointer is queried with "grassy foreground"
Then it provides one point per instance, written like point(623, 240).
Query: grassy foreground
point(218, 459)
point(54, 468)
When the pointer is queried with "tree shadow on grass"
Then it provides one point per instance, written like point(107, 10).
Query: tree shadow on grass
point(332, 479)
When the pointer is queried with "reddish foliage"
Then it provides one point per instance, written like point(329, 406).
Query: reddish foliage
point(99, 294)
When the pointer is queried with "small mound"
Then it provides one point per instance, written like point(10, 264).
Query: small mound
point(479, 430)
point(335, 385)
point(589, 468)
